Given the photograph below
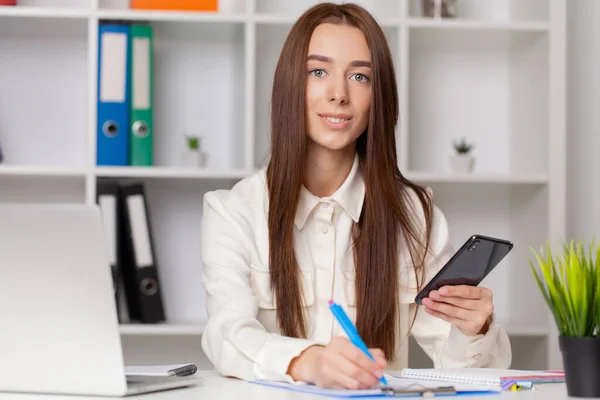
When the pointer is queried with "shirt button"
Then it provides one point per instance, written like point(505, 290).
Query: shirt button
point(325, 229)
point(325, 205)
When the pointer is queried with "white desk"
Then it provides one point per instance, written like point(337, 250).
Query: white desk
point(216, 387)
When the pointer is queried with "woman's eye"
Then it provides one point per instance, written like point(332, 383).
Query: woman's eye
point(360, 78)
point(319, 73)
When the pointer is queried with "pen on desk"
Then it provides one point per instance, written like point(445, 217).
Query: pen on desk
point(508, 384)
point(350, 329)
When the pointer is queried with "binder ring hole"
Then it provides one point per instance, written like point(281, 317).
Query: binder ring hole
point(149, 286)
point(140, 129)
point(110, 128)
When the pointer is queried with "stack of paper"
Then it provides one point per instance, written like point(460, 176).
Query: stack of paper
point(397, 384)
point(460, 381)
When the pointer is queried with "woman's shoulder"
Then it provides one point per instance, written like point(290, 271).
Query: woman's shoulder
point(233, 218)
point(242, 196)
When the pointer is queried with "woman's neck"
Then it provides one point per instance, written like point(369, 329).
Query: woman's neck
point(326, 170)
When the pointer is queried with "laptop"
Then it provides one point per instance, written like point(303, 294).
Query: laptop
point(59, 329)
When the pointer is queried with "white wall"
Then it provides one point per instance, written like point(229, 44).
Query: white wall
point(583, 119)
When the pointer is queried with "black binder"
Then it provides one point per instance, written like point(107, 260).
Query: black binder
point(140, 272)
point(107, 198)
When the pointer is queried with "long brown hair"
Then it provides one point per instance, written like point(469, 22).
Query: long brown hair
point(385, 224)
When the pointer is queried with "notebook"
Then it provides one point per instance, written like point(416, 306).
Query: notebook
point(397, 386)
point(485, 376)
point(161, 370)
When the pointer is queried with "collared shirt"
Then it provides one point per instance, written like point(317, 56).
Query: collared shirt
point(241, 337)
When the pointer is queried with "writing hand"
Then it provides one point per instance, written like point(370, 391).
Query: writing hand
point(469, 308)
point(339, 365)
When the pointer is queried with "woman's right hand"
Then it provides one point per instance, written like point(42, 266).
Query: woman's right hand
point(339, 365)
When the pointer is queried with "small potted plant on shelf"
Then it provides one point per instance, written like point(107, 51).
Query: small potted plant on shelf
point(438, 8)
point(193, 156)
point(570, 284)
point(462, 161)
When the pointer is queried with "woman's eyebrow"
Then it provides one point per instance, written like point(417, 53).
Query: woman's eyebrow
point(317, 57)
point(355, 63)
point(358, 63)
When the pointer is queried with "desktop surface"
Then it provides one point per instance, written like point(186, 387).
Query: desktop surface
point(216, 386)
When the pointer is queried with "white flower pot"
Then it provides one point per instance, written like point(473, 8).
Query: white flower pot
point(438, 8)
point(193, 158)
point(462, 163)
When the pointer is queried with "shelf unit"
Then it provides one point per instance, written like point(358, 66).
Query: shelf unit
point(198, 329)
point(161, 329)
point(494, 74)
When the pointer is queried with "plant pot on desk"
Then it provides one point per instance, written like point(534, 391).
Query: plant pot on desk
point(581, 360)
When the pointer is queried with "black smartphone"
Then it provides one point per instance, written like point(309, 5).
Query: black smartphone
point(470, 264)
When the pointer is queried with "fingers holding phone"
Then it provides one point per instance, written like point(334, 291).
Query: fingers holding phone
point(454, 294)
point(469, 308)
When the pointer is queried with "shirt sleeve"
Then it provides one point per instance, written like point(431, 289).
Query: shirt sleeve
point(442, 341)
point(233, 339)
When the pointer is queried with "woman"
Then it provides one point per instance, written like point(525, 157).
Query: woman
point(331, 217)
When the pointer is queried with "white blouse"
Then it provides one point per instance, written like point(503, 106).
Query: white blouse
point(241, 337)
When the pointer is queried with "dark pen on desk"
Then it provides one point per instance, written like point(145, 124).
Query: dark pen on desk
point(350, 329)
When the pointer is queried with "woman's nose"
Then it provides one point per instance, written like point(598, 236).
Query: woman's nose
point(338, 93)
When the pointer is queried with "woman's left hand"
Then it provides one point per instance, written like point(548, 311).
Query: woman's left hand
point(469, 308)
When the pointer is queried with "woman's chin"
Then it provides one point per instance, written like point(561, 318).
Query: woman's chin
point(337, 143)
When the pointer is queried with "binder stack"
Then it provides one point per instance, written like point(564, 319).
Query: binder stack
point(131, 252)
point(125, 95)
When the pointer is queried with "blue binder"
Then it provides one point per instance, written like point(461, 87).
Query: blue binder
point(112, 147)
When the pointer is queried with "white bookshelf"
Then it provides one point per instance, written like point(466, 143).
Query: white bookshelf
point(494, 74)
point(162, 329)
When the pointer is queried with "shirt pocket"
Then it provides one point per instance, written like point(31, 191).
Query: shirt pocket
point(349, 286)
point(260, 280)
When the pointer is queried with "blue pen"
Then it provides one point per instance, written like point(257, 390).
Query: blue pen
point(350, 329)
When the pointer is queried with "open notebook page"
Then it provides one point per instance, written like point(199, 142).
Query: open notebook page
point(485, 376)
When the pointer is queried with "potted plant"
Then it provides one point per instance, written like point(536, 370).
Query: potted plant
point(438, 8)
point(570, 284)
point(462, 161)
point(192, 154)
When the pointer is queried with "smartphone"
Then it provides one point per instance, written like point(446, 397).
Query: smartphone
point(470, 264)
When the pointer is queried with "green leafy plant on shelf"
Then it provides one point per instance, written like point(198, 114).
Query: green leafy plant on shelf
point(463, 146)
point(193, 142)
point(570, 285)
